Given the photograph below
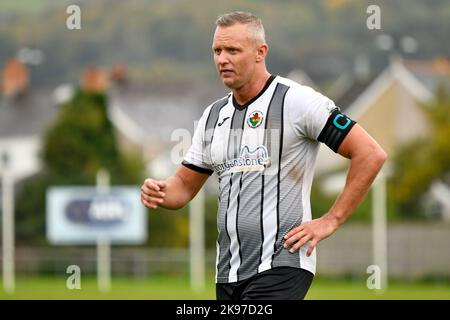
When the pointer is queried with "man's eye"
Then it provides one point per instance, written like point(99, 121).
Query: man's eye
point(217, 51)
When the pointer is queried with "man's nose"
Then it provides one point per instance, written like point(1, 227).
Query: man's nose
point(222, 58)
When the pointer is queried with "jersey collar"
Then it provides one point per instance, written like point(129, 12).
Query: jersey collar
point(243, 106)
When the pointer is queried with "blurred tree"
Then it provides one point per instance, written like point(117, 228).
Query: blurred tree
point(321, 202)
point(79, 143)
point(420, 163)
point(82, 141)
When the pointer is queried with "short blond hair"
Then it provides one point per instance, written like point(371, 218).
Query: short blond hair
point(254, 23)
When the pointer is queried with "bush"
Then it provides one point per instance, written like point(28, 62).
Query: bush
point(79, 143)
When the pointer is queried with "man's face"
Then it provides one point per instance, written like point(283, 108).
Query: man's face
point(235, 55)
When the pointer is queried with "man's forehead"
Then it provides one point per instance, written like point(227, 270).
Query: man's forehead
point(235, 32)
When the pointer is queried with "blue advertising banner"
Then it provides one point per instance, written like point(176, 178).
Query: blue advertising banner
point(82, 215)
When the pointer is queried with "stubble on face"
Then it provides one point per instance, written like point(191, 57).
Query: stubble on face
point(234, 55)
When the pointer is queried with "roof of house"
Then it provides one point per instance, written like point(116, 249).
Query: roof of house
point(141, 111)
point(27, 114)
point(353, 91)
point(431, 74)
point(420, 77)
point(302, 78)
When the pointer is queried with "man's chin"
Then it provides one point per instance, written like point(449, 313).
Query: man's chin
point(230, 83)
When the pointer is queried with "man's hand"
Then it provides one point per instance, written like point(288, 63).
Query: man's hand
point(313, 231)
point(153, 193)
point(174, 192)
point(366, 158)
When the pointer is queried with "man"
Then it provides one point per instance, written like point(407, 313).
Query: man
point(262, 140)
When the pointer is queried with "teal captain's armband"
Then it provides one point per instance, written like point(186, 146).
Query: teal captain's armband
point(336, 129)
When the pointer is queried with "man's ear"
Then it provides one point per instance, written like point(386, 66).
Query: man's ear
point(261, 52)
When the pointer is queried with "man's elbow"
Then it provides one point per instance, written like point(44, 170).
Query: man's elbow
point(379, 157)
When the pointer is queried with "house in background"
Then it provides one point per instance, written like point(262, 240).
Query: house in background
point(390, 110)
point(155, 120)
point(158, 121)
point(25, 113)
point(148, 119)
point(301, 77)
point(146, 116)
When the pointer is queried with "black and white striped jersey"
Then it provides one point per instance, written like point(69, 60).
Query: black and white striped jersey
point(264, 154)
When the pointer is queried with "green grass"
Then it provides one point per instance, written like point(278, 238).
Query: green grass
point(322, 289)
point(177, 287)
point(158, 287)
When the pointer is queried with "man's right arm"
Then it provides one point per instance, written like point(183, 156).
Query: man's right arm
point(174, 192)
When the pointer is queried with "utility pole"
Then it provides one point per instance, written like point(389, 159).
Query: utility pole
point(379, 227)
point(103, 242)
point(197, 241)
point(7, 225)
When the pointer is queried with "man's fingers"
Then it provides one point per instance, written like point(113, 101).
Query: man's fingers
point(311, 248)
point(294, 238)
point(148, 204)
point(300, 243)
point(293, 231)
point(151, 192)
point(161, 184)
point(152, 184)
point(151, 199)
point(153, 187)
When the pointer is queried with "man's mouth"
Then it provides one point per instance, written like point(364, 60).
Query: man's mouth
point(226, 72)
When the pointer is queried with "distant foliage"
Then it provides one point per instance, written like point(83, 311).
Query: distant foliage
point(418, 164)
point(79, 143)
point(167, 41)
point(82, 141)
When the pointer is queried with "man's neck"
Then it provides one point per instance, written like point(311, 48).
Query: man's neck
point(251, 89)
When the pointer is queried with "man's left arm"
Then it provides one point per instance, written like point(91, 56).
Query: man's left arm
point(366, 159)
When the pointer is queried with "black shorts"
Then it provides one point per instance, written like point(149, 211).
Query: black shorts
point(281, 283)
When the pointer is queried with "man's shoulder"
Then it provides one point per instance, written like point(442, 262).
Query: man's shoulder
point(221, 101)
point(296, 90)
point(217, 104)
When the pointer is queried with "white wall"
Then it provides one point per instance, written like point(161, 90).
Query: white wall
point(23, 154)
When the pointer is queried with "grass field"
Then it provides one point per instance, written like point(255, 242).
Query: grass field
point(177, 287)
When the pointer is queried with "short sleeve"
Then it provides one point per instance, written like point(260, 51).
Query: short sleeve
point(316, 117)
point(308, 110)
point(197, 158)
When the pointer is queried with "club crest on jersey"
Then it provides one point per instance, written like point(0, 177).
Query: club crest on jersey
point(255, 119)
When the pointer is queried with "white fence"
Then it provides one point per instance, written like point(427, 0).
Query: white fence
point(414, 251)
